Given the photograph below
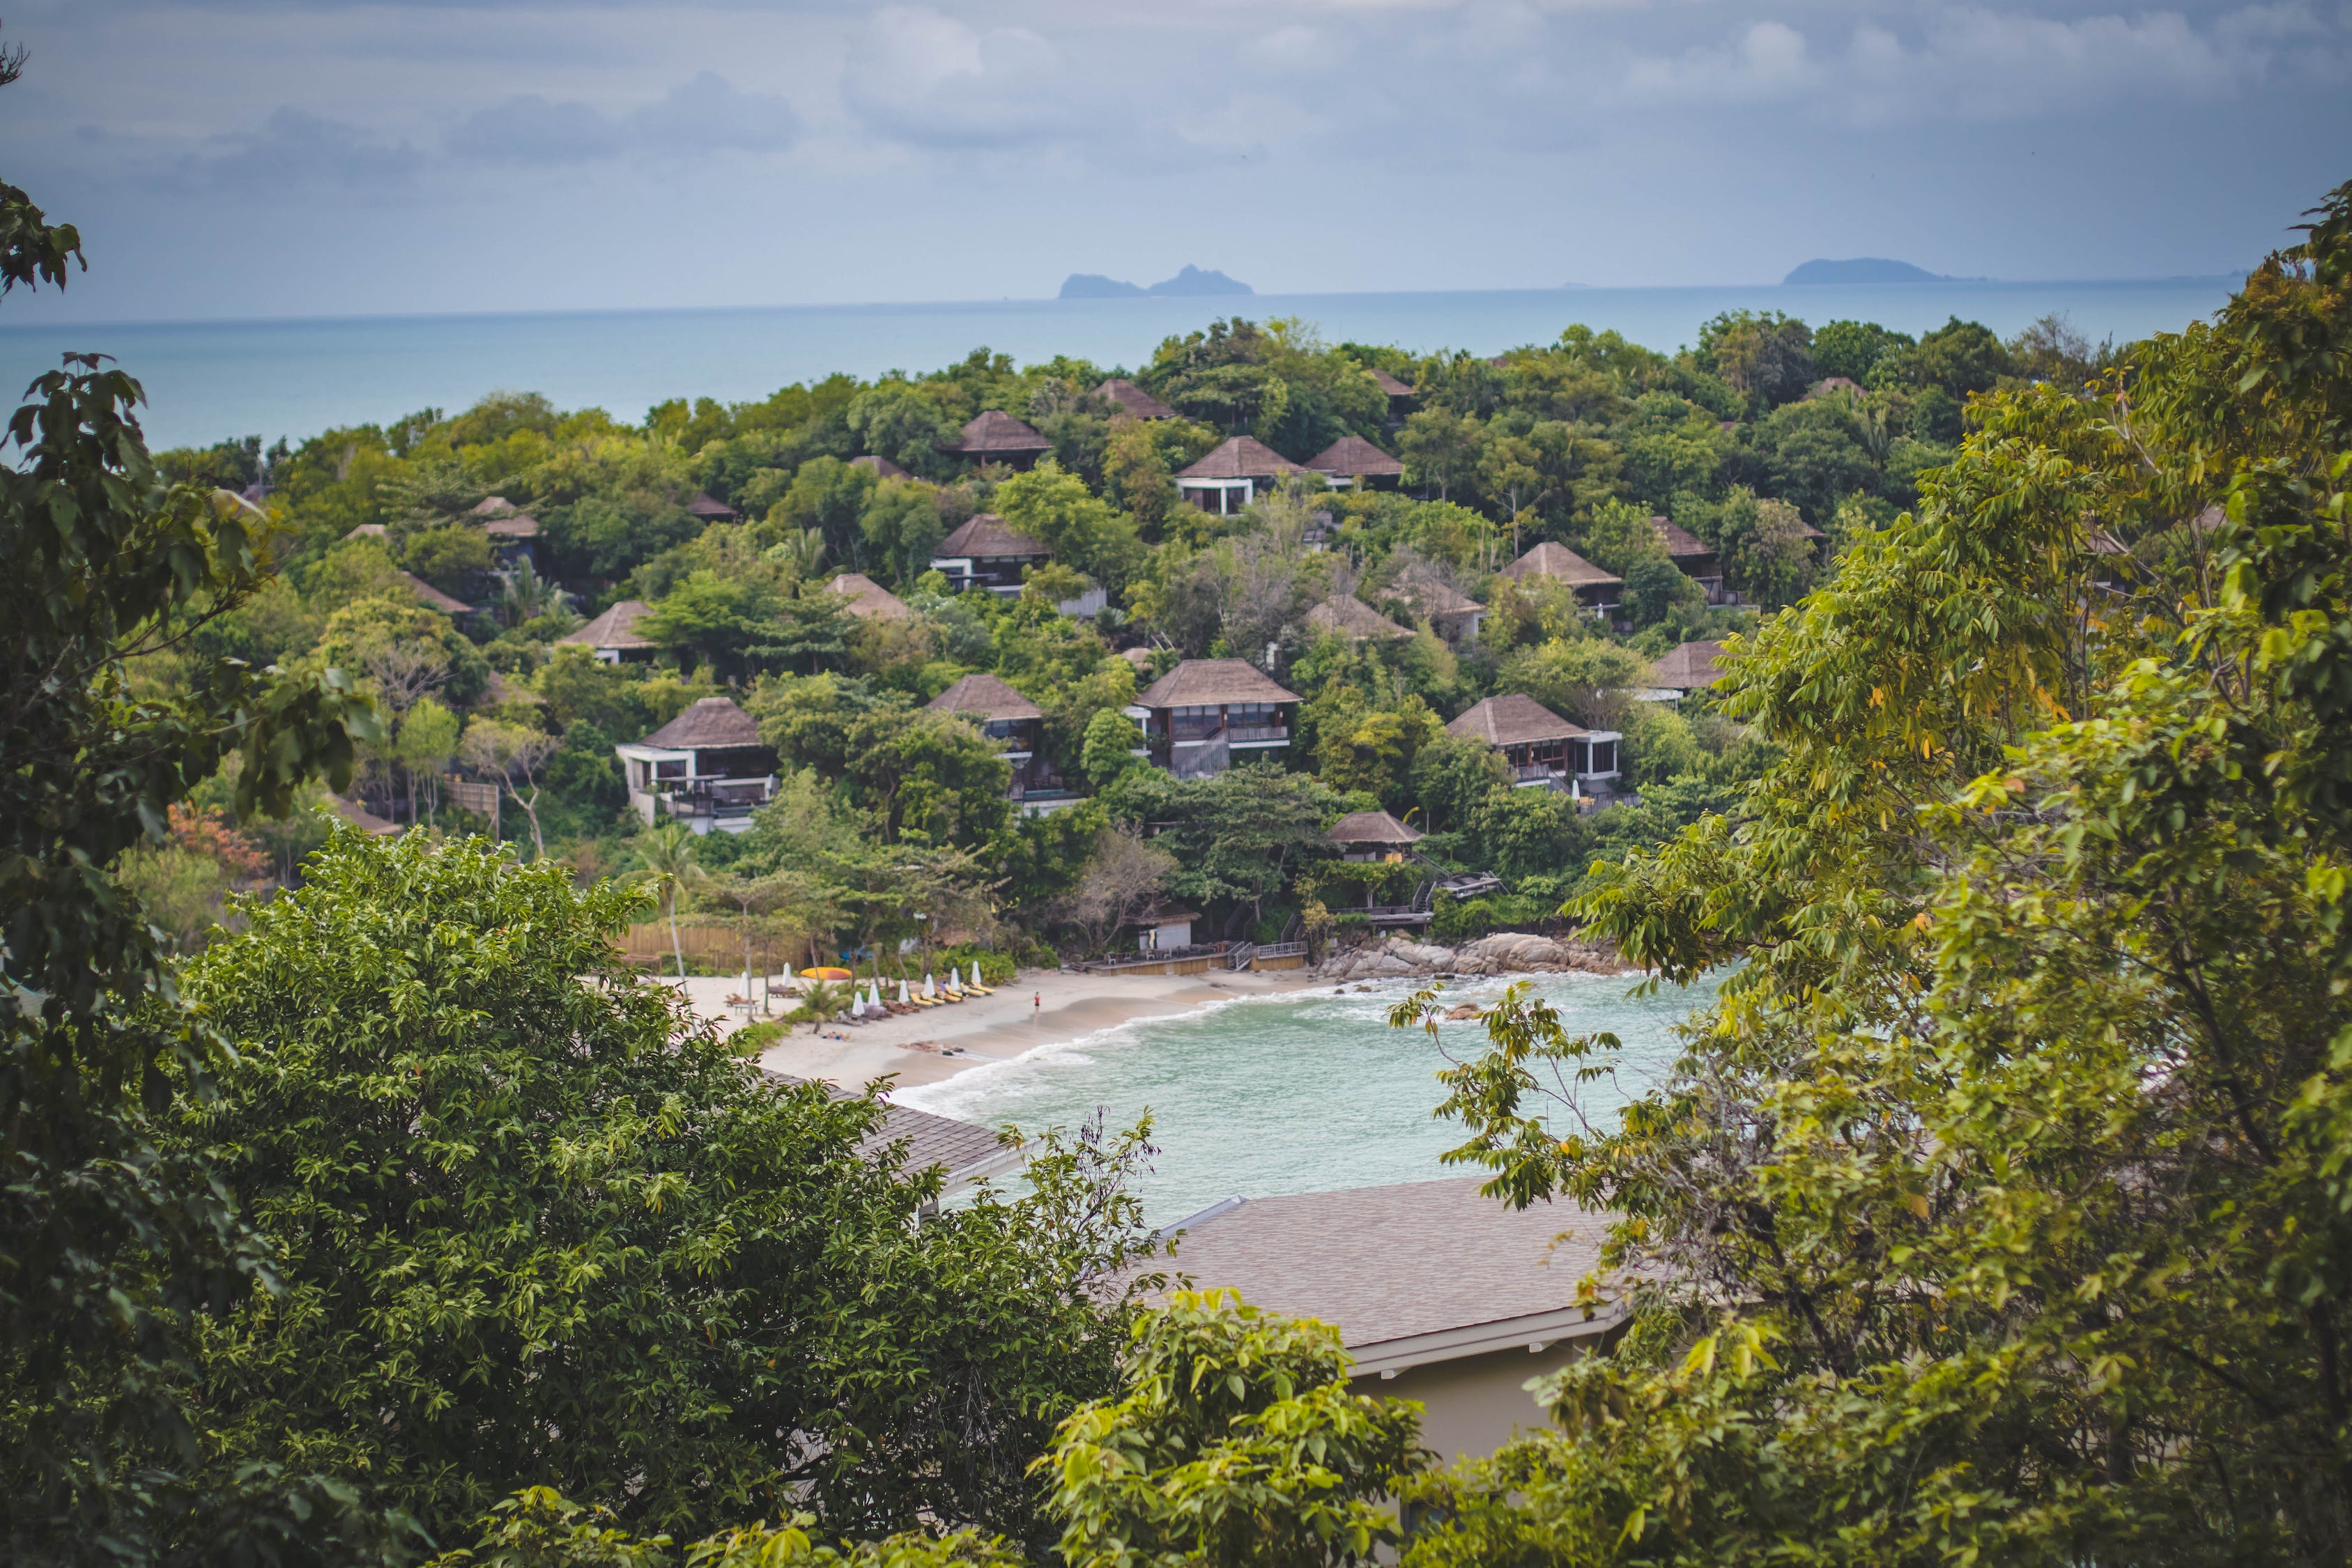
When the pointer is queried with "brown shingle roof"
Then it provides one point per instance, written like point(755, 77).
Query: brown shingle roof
point(1371, 827)
point(867, 597)
point(712, 721)
point(434, 597)
point(1512, 721)
point(985, 696)
point(1431, 596)
point(369, 530)
point(1828, 384)
point(1689, 667)
point(1390, 384)
point(1134, 399)
point(1352, 617)
point(1240, 457)
point(363, 819)
point(964, 1151)
point(516, 525)
point(493, 506)
point(1352, 457)
point(1199, 682)
point(616, 628)
point(883, 466)
point(997, 434)
point(1558, 561)
point(986, 537)
point(1680, 542)
point(705, 504)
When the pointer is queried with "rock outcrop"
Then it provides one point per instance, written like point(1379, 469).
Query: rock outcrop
point(1503, 952)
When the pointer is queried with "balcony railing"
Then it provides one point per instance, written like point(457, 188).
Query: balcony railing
point(1244, 733)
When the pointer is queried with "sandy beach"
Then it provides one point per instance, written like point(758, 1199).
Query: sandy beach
point(1041, 1008)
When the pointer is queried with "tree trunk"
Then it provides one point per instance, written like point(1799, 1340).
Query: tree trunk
point(677, 950)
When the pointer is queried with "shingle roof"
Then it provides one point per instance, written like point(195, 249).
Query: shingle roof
point(882, 467)
point(1558, 561)
point(1828, 384)
point(516, 525)
point(1371, 827)
point(1352, 457)
point(363, 819)
point(369, 530)
point(1689, 667)
point(986, 537)
point(1390, 1263)
point(965, 1151)
point(1680, 542)
point(710, 722)
point(986, 697)
point(1512, 721)
point(1162, 912)
point(1197, 682)
point(870, 598)
point(493, 506)
point(705, 504)
point(1352, 618)
point(1240, 457)
point(1390, 384)
point(434, 597)
point(998, 433)
point(1134, 399)
point(1431, 596)
point(615, 628)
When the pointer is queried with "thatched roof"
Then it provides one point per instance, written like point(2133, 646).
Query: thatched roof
point(369, 530)
point(1371, 827)
point(615, 629)
point(1133, 399)
point(1433, 596)
point(705, 504)
point(1240, 457)
point(363, 819)
point(433, 598)
point(1390, 384)
point(1352, 617)
point(1558, 561)
point(997, 434)
point(985, 538)
point(493, 506)
point(1512, 721)
point(516, 525)
point(883, 466)
point(1202, 682)
point(866, 598)
point(985, 696)
point(1680, 542)
point(1689, 667)
point(1353, 457)
point(1164, 912)
point(712, 723)
point(1836, 383)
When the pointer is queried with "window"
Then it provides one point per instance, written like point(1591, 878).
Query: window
point(670, 770)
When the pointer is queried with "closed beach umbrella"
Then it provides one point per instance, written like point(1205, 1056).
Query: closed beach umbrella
point(857, 1004)
point(930, 986)
point(902, 992)
point(975, 974)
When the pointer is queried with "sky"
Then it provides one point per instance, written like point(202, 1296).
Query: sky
point(266, 158)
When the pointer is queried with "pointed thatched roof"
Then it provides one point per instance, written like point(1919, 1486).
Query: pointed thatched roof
point(615, 630)
point(1202, 682)
point(712, 723)
point(1240, 457)
point(1352, 617)
point(433, 598)
point(363, 819)
point(1432, 595)
point(1353, 458)
point(985, 538)
point(1390, 384)
point(1371, 827)
point(869, 598)
point(1690, 667)
point(883, 466)
point(705, 504)
point(1512, 721)
point(998, 434)
point(1559, 562)
point(1834, 384)
point(1681, 542)
point(1133, 399)
point(985, 696)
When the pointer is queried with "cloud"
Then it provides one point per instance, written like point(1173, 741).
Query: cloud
point(530, 130)
point(295, 150)
point(919, 76)
point(706, 114)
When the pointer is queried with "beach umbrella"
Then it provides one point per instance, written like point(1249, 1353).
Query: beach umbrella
point(902, 991)
point(930, 986)
point(975, 974)
point(857, 1004)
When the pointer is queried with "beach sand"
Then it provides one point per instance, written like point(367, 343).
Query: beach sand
point(1041, 1008)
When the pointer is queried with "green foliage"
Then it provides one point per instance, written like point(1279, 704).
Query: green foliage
point(539, 1528)
point(1853, 349)
point(1056, 508)
point(1111, 741)
point(1238, 836)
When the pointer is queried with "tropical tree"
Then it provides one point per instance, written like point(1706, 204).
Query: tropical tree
point(664, 854)
point(508, 752)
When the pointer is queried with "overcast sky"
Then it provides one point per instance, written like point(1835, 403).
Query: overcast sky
point(291, 157)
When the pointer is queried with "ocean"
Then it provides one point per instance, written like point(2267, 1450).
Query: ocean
point(209, 381)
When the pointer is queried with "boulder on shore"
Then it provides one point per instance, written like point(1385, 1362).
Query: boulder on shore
point(1503, 952)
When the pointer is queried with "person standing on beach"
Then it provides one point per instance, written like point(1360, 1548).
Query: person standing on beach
point(1037, 1006)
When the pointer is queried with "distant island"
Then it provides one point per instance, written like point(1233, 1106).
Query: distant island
point(1862, 269)
point(1191, 281)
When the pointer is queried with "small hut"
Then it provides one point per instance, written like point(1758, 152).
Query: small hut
point(709, 508)
point(985, 553)
point(1541, 749)
point(882, 467)
point(1232, 475)
point(869, 600)
point(996, 436)
point(613, 637)
point(1351, 618)
point(1133, 399)
point(1692, 556)
point(1596, 588)
point(1372, 835)
point(1693, 667)
point(1353, 462)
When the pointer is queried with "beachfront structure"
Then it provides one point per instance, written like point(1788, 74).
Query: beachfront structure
point(1452, 613)
point(1204, 714)
point(705, 767)
point(1372, 835)
point(1233, 475)
point(1542, 749)
point(1163, 926)
point(984, 553)
point(1352, 462)
point(1440, 1295)
point(1133, 399)
point(995, 437)
point(1597, 589)
point(1350, 617)
point(1693, 667)
point(613, 637)
point(881, 468)
point(1693, 557)
point(1014, 722)
point(962, 1153)
point(869, 600)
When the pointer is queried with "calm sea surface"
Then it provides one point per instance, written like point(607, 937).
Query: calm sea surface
point(1305, 1093)
point(207, 381)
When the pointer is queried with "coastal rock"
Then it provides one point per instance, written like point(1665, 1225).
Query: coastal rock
point(1503, 952)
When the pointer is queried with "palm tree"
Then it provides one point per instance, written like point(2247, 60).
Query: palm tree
point(665, 859)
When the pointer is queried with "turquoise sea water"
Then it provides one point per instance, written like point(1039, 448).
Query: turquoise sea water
point(210, 380)
point(1307, 1092)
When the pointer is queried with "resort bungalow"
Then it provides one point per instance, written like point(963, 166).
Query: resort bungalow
point(881, 468)
point(1349, 616)
point(1012, 721)
point(513, 532)
point(1694, 667)
point(1399, 395)
point(433, 598)
point(984, 553)
point(869, 600)
point(1230, 476)
point(1201, 714)
point(1692, 556)
point(709, 508)
point(1440, 1295)
point(1595, 587)
point(1542, 749)
point(996, 436)
point(1372, 835)
point(705, 767)
point(1353, 463)
point(1163, 926)
point(1452, 613)
point(613, 635)
point(1130, 398)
